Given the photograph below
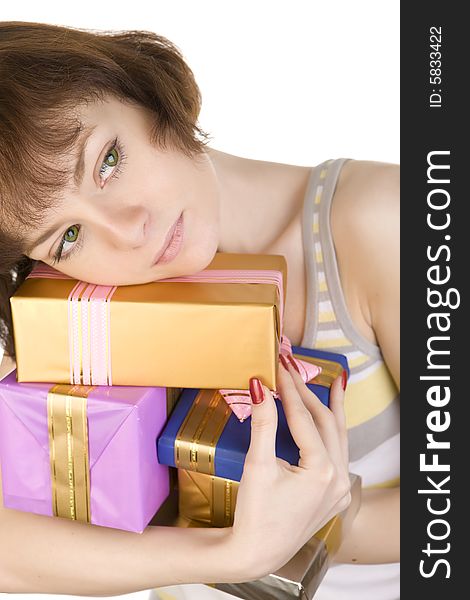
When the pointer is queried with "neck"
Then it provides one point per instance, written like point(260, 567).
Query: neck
point(257, 200)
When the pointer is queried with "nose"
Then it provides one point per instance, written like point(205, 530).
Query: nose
point(127, 227)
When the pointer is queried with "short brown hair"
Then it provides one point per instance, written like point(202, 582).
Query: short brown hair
point(46, 71)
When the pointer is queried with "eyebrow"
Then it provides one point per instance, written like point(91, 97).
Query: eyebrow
point(81, 147)
point(78, 174)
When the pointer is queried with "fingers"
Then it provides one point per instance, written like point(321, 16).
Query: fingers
point(318, 431)
point(329, 422)
point(337, 407)
point(262, 447)
point(300, 422)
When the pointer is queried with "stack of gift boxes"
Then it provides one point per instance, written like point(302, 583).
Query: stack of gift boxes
point(130, 405)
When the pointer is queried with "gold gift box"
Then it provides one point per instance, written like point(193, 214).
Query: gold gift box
point(297, 579)
point(171, 334)
point(206, 498)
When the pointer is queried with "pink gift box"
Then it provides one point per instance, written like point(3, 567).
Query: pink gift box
point(127, 485)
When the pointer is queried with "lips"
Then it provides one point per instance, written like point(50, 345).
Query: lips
point(172, 244)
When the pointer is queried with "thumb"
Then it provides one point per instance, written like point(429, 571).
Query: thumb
point(263, 422)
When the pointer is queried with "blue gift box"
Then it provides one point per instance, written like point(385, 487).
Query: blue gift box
point(204, 435)
point(332, 365)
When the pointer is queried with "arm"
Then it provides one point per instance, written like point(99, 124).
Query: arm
point(368, 226)
point(375, 533)
point(45, 555)
point(41, 554)
point(49, 555)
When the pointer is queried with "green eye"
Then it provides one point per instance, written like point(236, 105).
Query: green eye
point(69, 243)
point(114, 158)
point(71, 234)
point(113, 161)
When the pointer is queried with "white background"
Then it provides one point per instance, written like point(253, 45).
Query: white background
point(295, 82)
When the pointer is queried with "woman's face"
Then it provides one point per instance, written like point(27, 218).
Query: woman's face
point(115, 224)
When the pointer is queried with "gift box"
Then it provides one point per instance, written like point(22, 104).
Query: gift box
point(332, 366)
point(204, 435)
point(300, 577)
point(85, 453)
point(206, 499)
point(166, 333)
point(240, 400)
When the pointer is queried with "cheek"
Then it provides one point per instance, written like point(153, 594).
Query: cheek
point(195, 190)
point(101, 270)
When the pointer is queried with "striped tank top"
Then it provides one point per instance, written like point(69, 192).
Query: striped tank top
point(371, 404)
point(372, 401)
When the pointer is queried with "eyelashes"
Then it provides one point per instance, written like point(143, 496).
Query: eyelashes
point(76, 243)
point(118, 158)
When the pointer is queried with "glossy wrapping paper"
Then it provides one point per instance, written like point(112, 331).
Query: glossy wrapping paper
point(240, 400)
point(300, 577)
point(206, 499)
point(169, 333)
point(203, 434)
point(126, 483)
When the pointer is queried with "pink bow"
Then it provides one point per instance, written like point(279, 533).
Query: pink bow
point(240, 400)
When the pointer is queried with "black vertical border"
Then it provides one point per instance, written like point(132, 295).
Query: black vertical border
point(425, 129)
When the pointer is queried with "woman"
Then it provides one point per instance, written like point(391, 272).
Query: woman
point(101, 159)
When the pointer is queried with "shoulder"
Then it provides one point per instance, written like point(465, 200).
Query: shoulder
point(365, 220)
point(366, 207)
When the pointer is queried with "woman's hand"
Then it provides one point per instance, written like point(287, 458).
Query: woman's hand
point(280, 506)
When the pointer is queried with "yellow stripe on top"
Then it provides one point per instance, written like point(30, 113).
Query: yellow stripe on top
point(369, 396)
point(332, 342)
point(318, 194)
point(357, 361)
point(164, 595)
point(390, 483)
point(372, 398)
point(329, 317)
point(322, 284)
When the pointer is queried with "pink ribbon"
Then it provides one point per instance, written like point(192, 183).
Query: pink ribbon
point(89, 334)
point(89, 328)
point(240, 400)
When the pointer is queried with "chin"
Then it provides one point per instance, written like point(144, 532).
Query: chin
point(196, 259)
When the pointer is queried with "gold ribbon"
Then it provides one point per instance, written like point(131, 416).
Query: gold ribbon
point(203, 496)
point(198, 435)
point(224, 493)
point(200, 431)
point(69, 455)
point(212, 500)
point(68, 448)
point(206, 498)
point(330, 369)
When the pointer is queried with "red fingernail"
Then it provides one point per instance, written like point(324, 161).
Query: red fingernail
point(256, 391)
point(344, 379)
point(284, 362)
point(293, 363)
